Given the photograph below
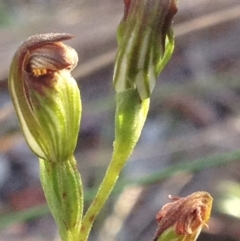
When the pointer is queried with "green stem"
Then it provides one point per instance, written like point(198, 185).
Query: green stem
point(105, 189)
point(130, 117)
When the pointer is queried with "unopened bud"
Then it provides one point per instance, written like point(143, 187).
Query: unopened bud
point(45, 95)
point(145, 44)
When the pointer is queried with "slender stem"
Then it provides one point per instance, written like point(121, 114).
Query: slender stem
point(130, 117)
point(104, 191)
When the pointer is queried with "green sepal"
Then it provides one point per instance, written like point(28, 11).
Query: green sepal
point(171, 235)
point(29, 124)
point(62, 186)
point(58, 112)
point(130, 116)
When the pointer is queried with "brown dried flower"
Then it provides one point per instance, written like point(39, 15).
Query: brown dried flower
point(185, 215)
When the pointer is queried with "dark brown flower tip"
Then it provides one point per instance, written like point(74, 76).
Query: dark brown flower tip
point(38, 59)
point(44, 54)
point(41, 56)
point(172, 10)
point(49, 58)
point(126, 8)
point(186, 214)
point(41, 39)
point(47, 54)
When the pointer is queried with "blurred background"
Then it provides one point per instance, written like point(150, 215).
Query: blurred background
point(191, 139)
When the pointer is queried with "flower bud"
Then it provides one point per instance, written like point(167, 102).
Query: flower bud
point(183, 218)
point(145, 44)
point(45, 95)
